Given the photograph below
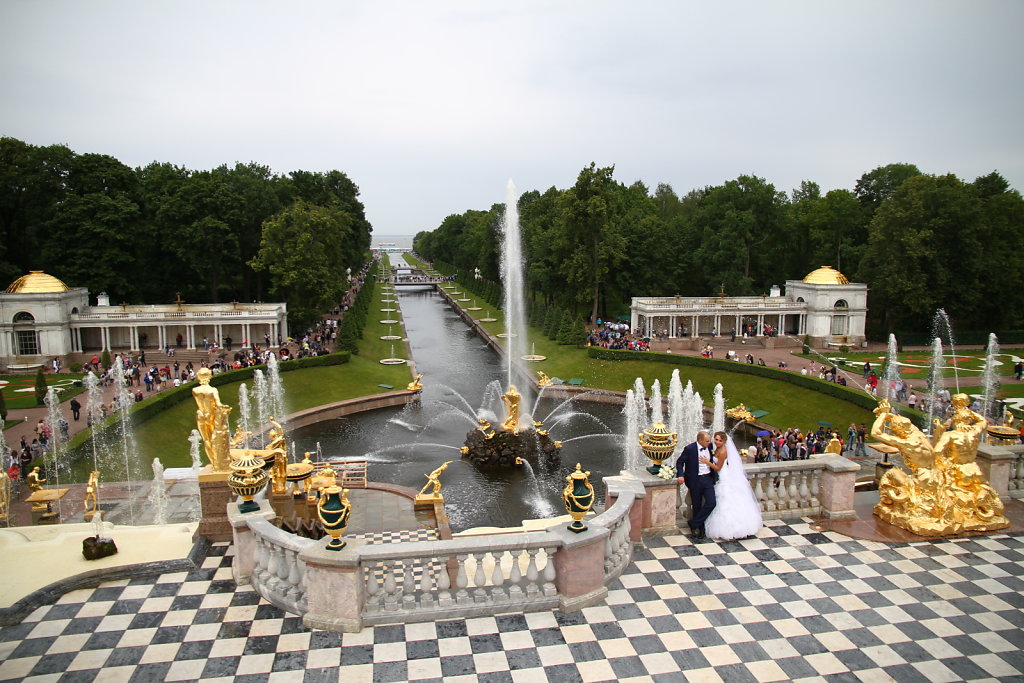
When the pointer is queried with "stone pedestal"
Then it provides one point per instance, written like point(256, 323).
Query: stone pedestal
point(579, 567)
point(996, 463)
point(428, 501)
point(214, 496)
point(836, 487)
point(334, 588)
point(658, 506)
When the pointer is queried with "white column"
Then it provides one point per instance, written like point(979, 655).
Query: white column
point(782, 323)
point(634, 318)
point(693, 325)
point(760, 325)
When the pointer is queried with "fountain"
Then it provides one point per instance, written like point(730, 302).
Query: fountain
point(935, 381)
point(158, 494)
point(990, 381)
point(718, 416)
point(892, 368)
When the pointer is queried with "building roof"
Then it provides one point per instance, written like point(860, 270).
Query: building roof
point(36, 282)
point(826, 275)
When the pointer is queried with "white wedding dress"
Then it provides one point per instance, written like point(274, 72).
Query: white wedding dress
point(737, 512)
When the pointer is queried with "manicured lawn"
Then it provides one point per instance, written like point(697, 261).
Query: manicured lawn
point(19, 390)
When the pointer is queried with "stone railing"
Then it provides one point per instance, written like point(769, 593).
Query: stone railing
point(419, 581)
point(269, 558)
point(1016, 478)
point(798, 488)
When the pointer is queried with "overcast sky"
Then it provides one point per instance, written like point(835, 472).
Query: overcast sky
point(431, 106)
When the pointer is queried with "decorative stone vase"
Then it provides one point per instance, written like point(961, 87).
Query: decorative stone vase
point(334, 509)
point(247, 478)
point(578, 496)
point(657, 444)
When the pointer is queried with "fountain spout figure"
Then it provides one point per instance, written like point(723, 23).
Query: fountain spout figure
point(511, 398)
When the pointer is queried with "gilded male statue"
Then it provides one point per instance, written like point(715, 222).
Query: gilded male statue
point(511, 399)
point(212, 421)
point(434, 479)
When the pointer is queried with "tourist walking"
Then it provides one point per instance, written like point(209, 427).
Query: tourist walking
point(76, 408)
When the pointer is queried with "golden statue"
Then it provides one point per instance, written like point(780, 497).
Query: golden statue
point(212, 421)
point(434, 479)
point(511, 399)
point(945, 491)
point(239, 438)
point(91, 502)
point(835, 445)
point(740, 412)
point(415, 384)
point(35, 483)
point(544, 380)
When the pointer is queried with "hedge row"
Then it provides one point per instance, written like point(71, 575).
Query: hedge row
point(857, 398)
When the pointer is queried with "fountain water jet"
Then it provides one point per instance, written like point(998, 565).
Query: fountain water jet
point(990, 380)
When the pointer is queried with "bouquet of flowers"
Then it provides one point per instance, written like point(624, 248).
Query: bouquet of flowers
point(667, 472)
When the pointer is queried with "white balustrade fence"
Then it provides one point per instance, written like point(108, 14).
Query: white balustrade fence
point(785, 489)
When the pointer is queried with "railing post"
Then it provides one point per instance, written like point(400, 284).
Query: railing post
point(837, 487)
point(244, 561)
point(334, 587)
point(617, 486)
point(579, 567)
point(658, 505)
point(996, 463)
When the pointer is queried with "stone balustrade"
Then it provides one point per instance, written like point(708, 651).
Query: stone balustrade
point(798, 488)
point(366, 584)
point(1003, 466)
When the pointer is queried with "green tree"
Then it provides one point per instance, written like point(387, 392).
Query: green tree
point(875, 186)
point(592, 245)
point(837, 230)
point(303, 248)
point(40, 387)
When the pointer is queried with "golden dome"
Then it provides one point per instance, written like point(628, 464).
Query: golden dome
point(826, 275)
point(36, 282)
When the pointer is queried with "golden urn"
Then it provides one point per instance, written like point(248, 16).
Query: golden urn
point(657, 444)
point(334, 510)
point(247, 478)
point(578, 496)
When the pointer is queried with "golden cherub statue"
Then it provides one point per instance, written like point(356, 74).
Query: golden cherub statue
point(35, 482)
point(434, 479)
point(415, 385)
point(544, 380)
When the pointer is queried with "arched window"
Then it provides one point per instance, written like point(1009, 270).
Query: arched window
point(842, 304)
point(24, 318)
point(26, 342)
point(74, 311)
point(800, 300)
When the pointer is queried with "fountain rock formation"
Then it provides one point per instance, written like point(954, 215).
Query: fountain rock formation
point(511, 442)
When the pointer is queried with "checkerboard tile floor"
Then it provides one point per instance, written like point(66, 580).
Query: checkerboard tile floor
point(791, 604)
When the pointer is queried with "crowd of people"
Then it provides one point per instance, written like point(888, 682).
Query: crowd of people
point(613, 335)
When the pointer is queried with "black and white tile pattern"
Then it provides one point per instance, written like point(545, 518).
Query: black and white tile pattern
point(791, 604)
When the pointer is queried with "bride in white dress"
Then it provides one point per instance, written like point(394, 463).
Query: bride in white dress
point(737, 512)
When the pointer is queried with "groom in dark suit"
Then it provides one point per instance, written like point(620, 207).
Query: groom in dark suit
point(699, 480)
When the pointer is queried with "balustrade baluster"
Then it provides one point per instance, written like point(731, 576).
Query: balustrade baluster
point(794, 500)
point(444, 583)
point(480, 578)
point(372, 587)
point(427, 585)
point(272, 567)
point(773, 495)
point(815, 502)
point(293, 575)
point(515, 577)
point(532, 590)
point(461, 581)
point(759, 490)
point(390, 587)
point(549, 574)
point(805, 491)
point(498, 577)
point(408, 585)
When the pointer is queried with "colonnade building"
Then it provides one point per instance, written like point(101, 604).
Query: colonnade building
point(824, 306)
point(41, 317)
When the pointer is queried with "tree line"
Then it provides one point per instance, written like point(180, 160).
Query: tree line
point(919, 241)
point(145, 234)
